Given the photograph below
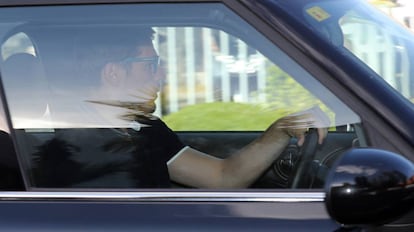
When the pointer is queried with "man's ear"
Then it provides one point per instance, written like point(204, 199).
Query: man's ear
point(112, 74)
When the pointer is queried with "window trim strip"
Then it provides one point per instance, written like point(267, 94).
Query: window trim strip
point(168, 196)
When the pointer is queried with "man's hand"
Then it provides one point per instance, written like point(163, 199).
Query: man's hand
point(296, 125)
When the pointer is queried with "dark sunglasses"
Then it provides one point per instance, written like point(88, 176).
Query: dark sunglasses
point(154, 61)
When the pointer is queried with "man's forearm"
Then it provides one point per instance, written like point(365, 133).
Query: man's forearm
point(243, 168)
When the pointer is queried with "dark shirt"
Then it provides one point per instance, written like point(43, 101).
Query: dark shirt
point(106, 158)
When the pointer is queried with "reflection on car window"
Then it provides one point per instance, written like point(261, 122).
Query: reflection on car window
point(227, 83)
point(375, 45)
point(377, 42)
point(90, 112)
point(18, 43)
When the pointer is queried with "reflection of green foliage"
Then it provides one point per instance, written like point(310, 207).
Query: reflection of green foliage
point(283, 92)
point(54, 166)
point(226, 116)
point(283, 96)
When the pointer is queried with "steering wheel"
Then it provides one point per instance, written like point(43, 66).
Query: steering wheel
point(303, 174)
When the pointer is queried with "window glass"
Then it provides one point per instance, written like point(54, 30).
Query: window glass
point(377, 45)
point(89, 110)
point(227, 83)
point(374, 40)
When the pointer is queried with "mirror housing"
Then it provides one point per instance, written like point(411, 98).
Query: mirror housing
point(369, 187)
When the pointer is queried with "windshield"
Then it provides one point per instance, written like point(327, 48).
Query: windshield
point(383, 47)
point(370, 36)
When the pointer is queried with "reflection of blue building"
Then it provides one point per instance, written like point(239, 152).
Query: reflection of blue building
point(214, 67)
point(236, 68)
point(385, 51)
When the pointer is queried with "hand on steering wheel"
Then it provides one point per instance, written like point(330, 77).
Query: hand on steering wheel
point(296, 125)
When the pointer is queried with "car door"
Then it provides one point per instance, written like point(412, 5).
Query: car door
point(228, 77)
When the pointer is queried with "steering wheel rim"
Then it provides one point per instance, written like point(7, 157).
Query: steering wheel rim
point(302, 174)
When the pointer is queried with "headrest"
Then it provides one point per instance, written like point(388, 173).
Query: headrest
point(21, 69)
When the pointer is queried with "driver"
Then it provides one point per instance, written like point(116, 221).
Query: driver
point(124, 67)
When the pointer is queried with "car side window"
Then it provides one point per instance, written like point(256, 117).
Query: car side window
point(97, 113)
point(227, 83)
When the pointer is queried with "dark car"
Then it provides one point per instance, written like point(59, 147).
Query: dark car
point(72, 154)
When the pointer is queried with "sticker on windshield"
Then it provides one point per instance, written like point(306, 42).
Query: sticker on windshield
point(318, 13)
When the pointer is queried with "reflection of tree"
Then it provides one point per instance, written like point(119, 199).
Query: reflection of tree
point(138, 149)
point(383, 180)
point(55, 167)
point(283, 92)
point(147, 169)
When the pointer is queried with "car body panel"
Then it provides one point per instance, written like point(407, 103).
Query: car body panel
point(161, 216)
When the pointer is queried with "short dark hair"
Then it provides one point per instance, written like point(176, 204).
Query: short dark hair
point(96, 47)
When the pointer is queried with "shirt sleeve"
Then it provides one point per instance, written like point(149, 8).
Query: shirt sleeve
point(177, 155)
point(169, 140)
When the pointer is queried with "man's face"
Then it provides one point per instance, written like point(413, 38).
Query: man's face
point(138, 78)
point(143, 77)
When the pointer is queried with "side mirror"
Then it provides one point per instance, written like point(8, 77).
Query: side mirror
point(369, 187)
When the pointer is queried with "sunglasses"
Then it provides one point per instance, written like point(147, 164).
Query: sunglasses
point(153, 61)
